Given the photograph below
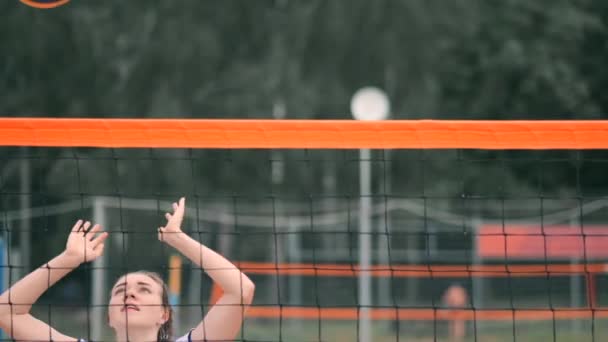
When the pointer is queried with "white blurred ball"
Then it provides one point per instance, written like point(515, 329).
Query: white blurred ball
point(370, 103)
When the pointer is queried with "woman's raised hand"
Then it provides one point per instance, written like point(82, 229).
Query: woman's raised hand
point(85, 243)
point(172, 230)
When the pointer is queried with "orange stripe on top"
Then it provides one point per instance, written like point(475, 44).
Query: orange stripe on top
point(317, 134)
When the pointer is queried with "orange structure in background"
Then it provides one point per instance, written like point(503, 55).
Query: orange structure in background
point(435, 271)
point(536, 242)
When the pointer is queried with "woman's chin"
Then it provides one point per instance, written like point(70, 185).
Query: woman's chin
point(132, 321)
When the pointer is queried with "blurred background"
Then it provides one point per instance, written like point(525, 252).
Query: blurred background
point(295, 59)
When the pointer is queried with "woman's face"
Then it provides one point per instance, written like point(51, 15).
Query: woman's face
point(136, 302)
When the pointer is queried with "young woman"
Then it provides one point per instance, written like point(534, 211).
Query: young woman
point(139, 308)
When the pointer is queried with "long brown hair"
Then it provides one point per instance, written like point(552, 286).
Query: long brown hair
point(165, 332)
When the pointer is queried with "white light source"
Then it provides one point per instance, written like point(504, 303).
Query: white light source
point(370, 103)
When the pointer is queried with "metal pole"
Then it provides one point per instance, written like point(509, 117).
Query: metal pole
point(576, 301)
point(575, 295)
point(383, 241)
point(477, 283)
point(294, 252)
point(367, 104)
point(98, 282)
point(364, 244)
point(278, 242)
point(25, 203)
point(295, 256)
point(175, 287)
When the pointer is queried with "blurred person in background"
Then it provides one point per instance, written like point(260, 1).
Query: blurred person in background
point(455, 298)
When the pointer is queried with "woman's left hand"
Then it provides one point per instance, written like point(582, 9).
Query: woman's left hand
point(172, 230)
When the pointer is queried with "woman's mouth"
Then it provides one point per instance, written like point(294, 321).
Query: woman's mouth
point(130, 307)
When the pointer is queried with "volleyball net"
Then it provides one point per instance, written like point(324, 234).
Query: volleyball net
point(383, 231)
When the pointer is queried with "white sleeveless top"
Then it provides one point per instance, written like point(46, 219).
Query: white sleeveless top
point(185, 338)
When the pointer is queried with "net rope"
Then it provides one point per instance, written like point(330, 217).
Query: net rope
point(457, 240)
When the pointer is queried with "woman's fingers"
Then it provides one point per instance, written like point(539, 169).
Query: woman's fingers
point(85, 227)
point(173, 219)
point(98, 250)
point(99, 239)
point(178, 208)
point(77, 226)
point(179, 204)
point(91, 232)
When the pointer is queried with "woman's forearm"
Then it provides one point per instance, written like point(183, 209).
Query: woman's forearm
point(223, 272)
point(19, 298)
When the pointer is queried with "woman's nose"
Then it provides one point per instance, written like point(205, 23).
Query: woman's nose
point(129, 294)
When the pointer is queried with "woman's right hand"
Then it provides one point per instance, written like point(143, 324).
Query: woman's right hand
point(83, 245)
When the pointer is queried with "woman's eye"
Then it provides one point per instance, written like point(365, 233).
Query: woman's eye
point(145, 289)
point(118, 291)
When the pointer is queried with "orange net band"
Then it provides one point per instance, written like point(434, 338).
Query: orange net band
point(317, 134)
